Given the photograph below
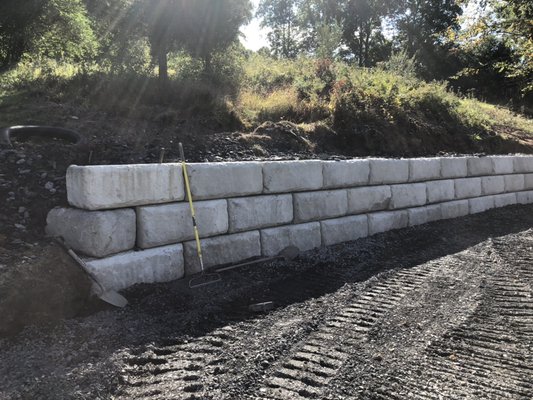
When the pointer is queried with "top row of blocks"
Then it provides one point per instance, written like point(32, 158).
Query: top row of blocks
point(115, 186)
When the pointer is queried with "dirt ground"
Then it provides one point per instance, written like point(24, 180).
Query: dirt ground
point(440, 311)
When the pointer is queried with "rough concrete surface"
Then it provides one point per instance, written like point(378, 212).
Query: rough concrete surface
point(479, 166)
point(408, 195)
point(225, 179)
point(423, 215)
point(314, 206)
point(249, 213)
point(480, 204)
point(438, 191)
point(424, 169)
point(98, 187)
point(504, 200)
point(455, 209)
point(292, 176)
point(523, 164)
point(453, 167)
point(524, 197)
point(384, 171)
point(502, 164)
point(363, 200)
point(492, 185)
point(467, 188)
point(172, 223)
point(94, 233)
point(304, 236)
point(344, 174)
point(528, 181)
point(160, 264)
point(514, 183)
point(344, 229)
point(387, 220)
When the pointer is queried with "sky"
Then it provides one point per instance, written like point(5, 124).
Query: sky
point(254, 36)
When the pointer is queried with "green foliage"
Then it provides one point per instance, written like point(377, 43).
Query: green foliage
point(281, 17)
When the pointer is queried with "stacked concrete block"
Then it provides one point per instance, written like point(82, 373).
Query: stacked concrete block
point(367, 199)
point(101, 187)
point(313, 206)
point(304, 236)
point(514, 183)
point(424, 169)
point(479, 166)
point(387, 220)
point(344, 229)
point(409, 195)
point(439, 191)
point(453, 167)
point(227, 249)
point(504, 200)
point(481, 204)
point(523, 164)
point(455, 209)
point(93, 233)
point(525, 197)
point(492, 185)
point(502, 165)
point(467, 188)
point(221, 180)
point(422, 215)
point(292, 176)
point(249, 213)
point(383, 171)
point(172, 223)
point(344, 174)
point(123, 270)
point(528, 181)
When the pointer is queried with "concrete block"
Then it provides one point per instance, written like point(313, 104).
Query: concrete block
point(304, 236)
point(225, 179)
point(504, 200)
point(478, 166)
point(292, 176)
point(161, 264)
point(528, 181)
point(523, 164)
point(313, 206)
point(99, 187)
point(525, 197)
point(344, 174)
point(386, 221)
point(227, 249)
point(249, 213)
point(453, 167)
point(94, 233)
point(502, 164)
point(424, 169)
point(468, 187)
point(409, 195)
point(343, 229)
point(455, 209)
point(422, 215)
point(172, 223)
point(365, 199)
point(388, 171)
point(514, 183)
point(438, 191)
point(481, 204)
point(492, 185)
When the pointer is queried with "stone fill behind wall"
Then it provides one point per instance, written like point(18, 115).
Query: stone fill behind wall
point(130, 216)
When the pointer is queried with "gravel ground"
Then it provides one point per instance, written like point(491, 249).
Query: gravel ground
point(440, 311)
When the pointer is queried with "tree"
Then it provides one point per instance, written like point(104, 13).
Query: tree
point(320, 22)
point(281, 17)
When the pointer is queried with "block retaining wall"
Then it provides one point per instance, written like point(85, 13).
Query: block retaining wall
point(133, 223)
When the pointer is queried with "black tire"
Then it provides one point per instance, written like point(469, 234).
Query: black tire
point(50, 132)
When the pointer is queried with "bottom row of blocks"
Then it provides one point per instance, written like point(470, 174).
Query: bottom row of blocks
point(172, 262)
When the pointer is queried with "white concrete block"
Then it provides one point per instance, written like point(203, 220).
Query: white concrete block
point(504, 200)
point(492, 185)
point(249, 213)
point(514, 183)
point(313, 206)
point(344, 174)
point(304, 236)
point(455, 209)
point(161, 264)
point(365, 199)
point(98, 187)
point(438, 191)
point(424, 169)
point(467, 188)
point(525, 197)
point(481, 204)
point(478, 166)
point(409, 195)
point(453, 167)
point(220, 250)
point(292, 176)
point(343, 229)
point(422, 215)
point(172, 223)
point(225, 179)
point(94, 233)
point(523, 164)
point(388, 171)
point(386, 221)
point(528, 181)
point(502, 164)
